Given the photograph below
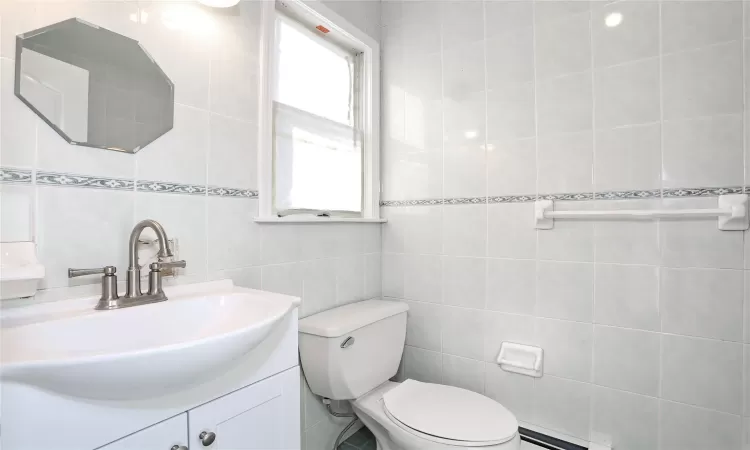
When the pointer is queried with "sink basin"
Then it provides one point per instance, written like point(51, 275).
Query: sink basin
point(141, 351)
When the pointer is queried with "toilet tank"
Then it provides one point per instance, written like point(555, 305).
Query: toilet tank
point(350, 350)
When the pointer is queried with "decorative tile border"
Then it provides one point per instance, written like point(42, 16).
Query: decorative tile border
point(11, 175)
point(576, 196)
point(231, 192)
point(702, 192)
point(25, 176)
point(73, 180)
point(170, 188)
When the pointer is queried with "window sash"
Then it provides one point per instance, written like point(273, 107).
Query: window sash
point(320, 126)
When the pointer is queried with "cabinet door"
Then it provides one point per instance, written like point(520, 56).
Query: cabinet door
point(162, 436)
point(263, 416)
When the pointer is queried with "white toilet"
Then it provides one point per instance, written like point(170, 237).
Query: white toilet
point(350, 353)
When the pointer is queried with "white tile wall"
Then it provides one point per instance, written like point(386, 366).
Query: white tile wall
point(212, 57)
point(623, 309)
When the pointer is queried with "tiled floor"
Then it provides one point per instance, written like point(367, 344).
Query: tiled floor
point(361, 440)
point(364, 440)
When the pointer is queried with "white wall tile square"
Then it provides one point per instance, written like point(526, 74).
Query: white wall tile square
point(628, 158)
point(510, 57)
point(18, 133)
point(565, 290)
point(686, 381)
point(465, 230)
point(702, 302)
point(511, 231)
point(232, 153)
point(462, 22)
point(463, 373)
point(747, 371)
point(568, 240)
point(184, 219)
point(501, 327)
point(318, 286)
point(373, 275)
point(423, 365)
point(17, 217)
point(504, 15)
point(511, 285)
point(627, 359)
point(282, 278)
point(510, 112)
point(686, 427)
point(702, 82)
point(233, 236)
point(423, 230)
point(191, 136)
point(567, 348)
point(565, 104)
point(546, 11)
point(697, 243)
point(688, 25)
point(350, 279)
point(464, 281)
point(563, 405)
point(624, 420)
point(686, 161)
point(424, 326)
point(463, 70)
point(511, 167)
point(422, 275)
point(566, 162)
point(624, 241)
point(747, 307)
point(636, 37)
point(392, 273)
point(95, 223)
point(463, 332)
point(280, 244)
point(627, 94)
point(563, 46)
point(513, 391)
point(627, 296)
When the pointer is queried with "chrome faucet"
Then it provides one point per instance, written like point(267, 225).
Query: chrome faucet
point(133, 294)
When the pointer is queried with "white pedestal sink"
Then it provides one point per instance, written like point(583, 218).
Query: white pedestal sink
point(138, 352)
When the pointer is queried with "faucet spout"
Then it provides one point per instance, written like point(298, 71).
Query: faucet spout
point(133, 288)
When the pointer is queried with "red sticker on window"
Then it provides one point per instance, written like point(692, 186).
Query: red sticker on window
point(322, 29)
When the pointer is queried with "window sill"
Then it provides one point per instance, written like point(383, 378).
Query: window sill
point(292, 219)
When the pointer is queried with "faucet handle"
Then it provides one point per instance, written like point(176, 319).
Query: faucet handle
point(106, 270)
point(167, 265)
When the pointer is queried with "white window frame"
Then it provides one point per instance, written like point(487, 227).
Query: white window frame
point(343, 31)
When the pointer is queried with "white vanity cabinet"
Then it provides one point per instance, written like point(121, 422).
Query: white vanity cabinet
point(263, 416)
point(162, 436)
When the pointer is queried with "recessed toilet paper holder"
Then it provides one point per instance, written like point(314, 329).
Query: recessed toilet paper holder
point(522, 359)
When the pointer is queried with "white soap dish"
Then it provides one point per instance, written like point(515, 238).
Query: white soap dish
point(20, 270)
point(523, 359)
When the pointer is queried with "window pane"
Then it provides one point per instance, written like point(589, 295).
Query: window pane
point(318, 163)
point(312, 76)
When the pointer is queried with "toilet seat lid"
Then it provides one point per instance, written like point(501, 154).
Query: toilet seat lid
point(449, 412)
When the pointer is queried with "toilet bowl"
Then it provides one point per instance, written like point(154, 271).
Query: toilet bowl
point(498, 432)
point(351, 352)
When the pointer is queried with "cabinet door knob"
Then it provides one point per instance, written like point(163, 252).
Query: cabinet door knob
point(179, 447)
point(207, 438)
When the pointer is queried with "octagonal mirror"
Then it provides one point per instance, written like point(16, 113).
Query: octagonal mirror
point(94, 87)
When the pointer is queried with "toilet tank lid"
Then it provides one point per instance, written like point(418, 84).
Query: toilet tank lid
point(345, 319)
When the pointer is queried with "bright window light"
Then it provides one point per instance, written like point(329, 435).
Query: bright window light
point(317, 142)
